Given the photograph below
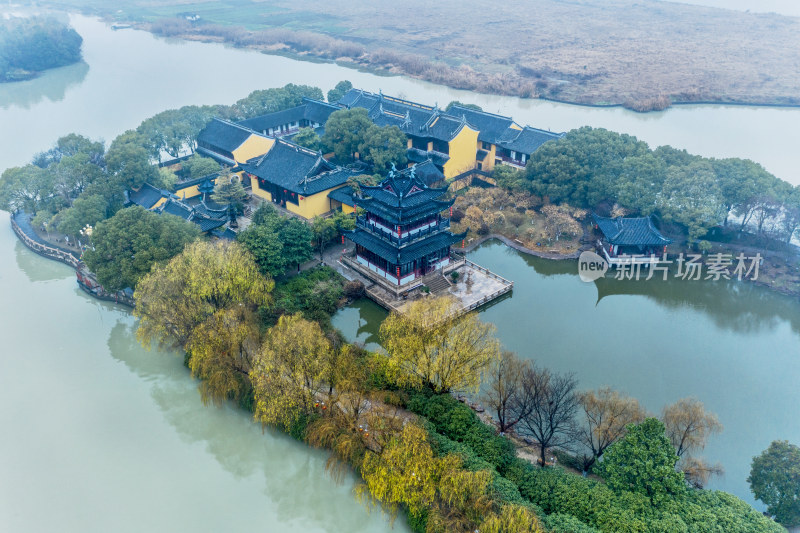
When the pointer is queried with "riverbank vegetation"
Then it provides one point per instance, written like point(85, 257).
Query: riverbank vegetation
point(392, 417)
point(518, 216)
point(31, 45)
point(596, 168)
point(706, 205)
point(552, 50)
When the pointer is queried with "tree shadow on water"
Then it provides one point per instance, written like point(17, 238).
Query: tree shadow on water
point(291, 473)
point(51, 85)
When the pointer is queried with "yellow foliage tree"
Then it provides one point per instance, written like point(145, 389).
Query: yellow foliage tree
point(172, 300)
point(429, 346)
point(221, 351)
point(462, 502)
point(406, 472)
point(606, 414)
point(343, 427)
point(512, 519)
point(290, 371)
point(689, 425)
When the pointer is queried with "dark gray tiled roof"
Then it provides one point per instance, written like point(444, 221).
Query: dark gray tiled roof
point(402, 189)
point(208, 224)
point(319, 111)
point(206, 220)
point(196, 181)
point(343, 195)
point(412, 118)
point(297, 169)
point(226, 234)
point(179, 209)
point(147, 196)
point(428, 173)
point(630, 231)
point(491, 127)
point(224, 135)
point(527, 140)
point(405, 215)
point(273, 120)
point(407, 253)
point(312, 110)
point(403, 197)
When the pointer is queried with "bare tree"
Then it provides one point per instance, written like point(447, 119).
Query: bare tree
point(689, 425)
point(606, 413)
point(697, 472)
point(546, 408)
point(503, 392)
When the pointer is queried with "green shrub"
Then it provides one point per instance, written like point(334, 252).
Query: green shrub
point(316, 293)
point(564, 523)
point(574, 503)
point(459, 423)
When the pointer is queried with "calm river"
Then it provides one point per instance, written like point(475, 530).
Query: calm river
point(102, 435)
point(734, 346)
point(111, 437)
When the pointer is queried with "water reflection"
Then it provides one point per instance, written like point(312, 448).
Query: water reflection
point(293, 475)
point(51, 85)
point(361, 322)
point(36, 269)
point(741, 307)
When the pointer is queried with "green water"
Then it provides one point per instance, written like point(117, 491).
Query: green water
point(100, 435)
point(734, 346)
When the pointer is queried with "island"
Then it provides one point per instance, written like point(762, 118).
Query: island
point(29, 46)
point(215, 248)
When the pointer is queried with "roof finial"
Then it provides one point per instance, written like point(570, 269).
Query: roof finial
point(412, 174)
point(391, 172)
point(407, 121)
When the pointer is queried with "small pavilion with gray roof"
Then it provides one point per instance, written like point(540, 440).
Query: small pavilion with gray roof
point(630, 237)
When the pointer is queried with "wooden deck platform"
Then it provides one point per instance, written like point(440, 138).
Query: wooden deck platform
point(476, 285)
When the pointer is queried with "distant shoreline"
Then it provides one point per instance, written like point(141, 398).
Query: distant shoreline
point(388, 72)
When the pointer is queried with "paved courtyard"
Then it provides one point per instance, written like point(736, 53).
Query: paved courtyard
point(475, 286)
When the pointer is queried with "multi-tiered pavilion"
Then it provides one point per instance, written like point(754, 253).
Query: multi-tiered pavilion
point(403, 243)
point(401, 235)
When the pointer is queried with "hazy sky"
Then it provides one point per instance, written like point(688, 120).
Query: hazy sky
point(784, 7)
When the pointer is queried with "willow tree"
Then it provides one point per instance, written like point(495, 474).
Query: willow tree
point(606, 414)
point(221, 351)
point(406, 473)
point(431, 346)
point(176, 298)
point(290, 371)
point(512, 518)
point(688, 427)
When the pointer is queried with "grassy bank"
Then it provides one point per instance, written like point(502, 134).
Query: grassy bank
point(643, 56)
